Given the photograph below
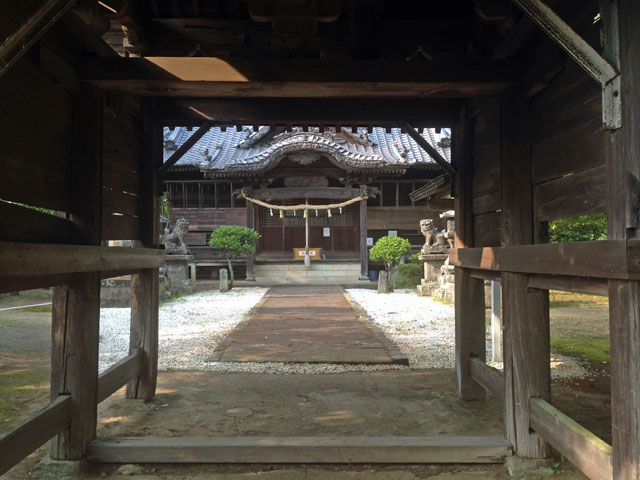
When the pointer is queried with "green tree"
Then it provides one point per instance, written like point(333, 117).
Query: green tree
point(389, 250)
point(584, 228)
point(234, 241)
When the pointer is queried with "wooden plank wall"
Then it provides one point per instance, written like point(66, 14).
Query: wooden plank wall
point(486, 189)
point(567, 146)
point(121, 201)
point(35, 150)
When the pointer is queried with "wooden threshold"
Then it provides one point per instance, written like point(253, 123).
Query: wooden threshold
point(432, 449)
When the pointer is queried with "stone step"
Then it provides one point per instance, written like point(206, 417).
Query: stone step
point(313, 275)
point(314, 267)
point(307, 280)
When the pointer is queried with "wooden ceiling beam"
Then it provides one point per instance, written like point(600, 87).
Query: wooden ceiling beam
point(269, 77)
point(300, 111)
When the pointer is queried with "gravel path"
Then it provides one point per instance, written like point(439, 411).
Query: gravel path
point(191, 327)
point(425, 330)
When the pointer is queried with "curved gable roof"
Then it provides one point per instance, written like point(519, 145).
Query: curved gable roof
point(252, 151)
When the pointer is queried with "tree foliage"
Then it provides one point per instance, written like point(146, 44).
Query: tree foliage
point(389, 250)
point(233, 241)
point(578, 229)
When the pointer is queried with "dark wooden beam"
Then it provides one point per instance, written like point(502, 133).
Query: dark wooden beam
point(420, 112)
point(241, 77)
point(427, 147)
point(16, 44)
point(185, 147)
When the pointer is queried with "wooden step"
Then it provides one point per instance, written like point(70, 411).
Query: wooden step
point(388, 449)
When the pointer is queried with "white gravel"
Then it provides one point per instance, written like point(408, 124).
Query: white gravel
point(424, 330)
point(191, 327)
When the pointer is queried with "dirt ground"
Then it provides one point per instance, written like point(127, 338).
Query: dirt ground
point(205, 403)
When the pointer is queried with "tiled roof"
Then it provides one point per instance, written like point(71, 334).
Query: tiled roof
point(251, 151)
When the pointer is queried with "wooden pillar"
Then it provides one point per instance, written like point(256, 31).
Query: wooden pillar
point(251, 223)
point(469, 292)
point(526, 311)
point(145, 285)
point(364, 252)
point(622, 150)
point(144, 332)
point(76, 306)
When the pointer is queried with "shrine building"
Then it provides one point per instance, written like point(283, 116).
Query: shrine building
point(381, 181)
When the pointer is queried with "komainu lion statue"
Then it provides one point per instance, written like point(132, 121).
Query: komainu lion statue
point(434, 239)
point(174, 240)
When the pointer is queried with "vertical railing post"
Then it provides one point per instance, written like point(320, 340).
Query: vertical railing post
point(526, 311)
point(622, 153)
point(76, 306)
point(469, 291)
point(145, 288)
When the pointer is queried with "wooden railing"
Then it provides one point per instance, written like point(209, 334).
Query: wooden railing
point(28, 265)
point(615, 259)
point(590, 454)
point(19, 442)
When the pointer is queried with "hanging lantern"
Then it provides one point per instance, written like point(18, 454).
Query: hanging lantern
point(305, 215)
point(316, 212)
point(294, 213)
point(281, 213)
point(271, 211)
point(329, 213)
point(340, 210)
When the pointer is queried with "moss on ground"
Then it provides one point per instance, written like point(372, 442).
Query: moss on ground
point(37, 308)
point(19, 388)
point(588, 349)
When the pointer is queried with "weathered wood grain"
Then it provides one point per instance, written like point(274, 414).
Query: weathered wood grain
point(490, 378)
point(487, 230)
point(469, 291)
point(601, 259)
point(116, 226)
point(119, 374)
point(217, 77)
point(590, 454)
point(581, 193)
point(301, 111)
point(19, 442)
point(74, 361)
point(590, 286)
point(396, 218)
point(526, 319)
point(26, 259)
point(622, 152)
point(436, 449)
point(525, 311)
point(20, 224)
point(144, 332)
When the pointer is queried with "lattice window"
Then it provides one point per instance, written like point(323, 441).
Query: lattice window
point(347, 218)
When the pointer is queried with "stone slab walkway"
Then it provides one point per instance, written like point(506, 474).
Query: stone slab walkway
point(306, 324)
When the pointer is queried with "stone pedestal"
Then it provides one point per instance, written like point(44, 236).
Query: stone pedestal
point(177, 275)
point(432, 270)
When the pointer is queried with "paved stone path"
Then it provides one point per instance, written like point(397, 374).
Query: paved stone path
point(306, 324)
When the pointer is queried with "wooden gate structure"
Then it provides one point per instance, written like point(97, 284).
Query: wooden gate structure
point(535, 138)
